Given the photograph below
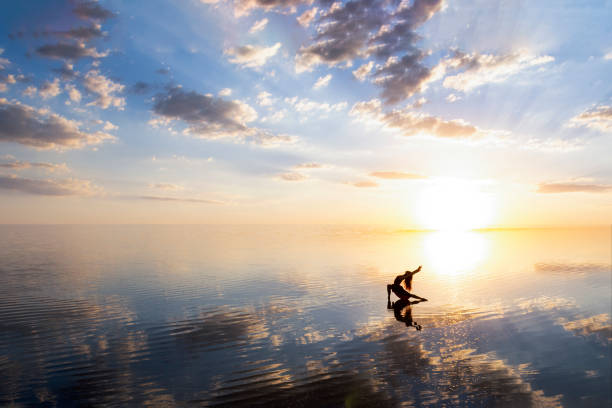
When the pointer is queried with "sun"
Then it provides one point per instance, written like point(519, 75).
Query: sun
point(454, 205)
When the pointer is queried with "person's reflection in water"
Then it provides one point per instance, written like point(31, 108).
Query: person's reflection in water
point(403, 311)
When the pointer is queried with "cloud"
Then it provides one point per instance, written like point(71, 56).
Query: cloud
point(22, 165)
point(292, 177)
point(412, 123)
point(553, 144)
point(244, 7)
point(108, 126)
point(362, 184)
point(598, 326)
point(30, 91)
point(264, 99)
point(342, 33)
point(306, 105)
point(252, 56)
point(6, 80)
point(399, 35)
point(68, 51)
point(49, 187)
point(573, 187)
point(322, 82)
point(571, 268)
point(167, 186)
point(275, 117)
point(311, 165)
point(3, 61)
point(225, 92)
point(206, 114)
point(306, 17)
point(49, 89)
point(452, 98)
point(400, 78)
point(211, 117)
point(82, 33)
point(598, 118)
point(105, 88)
point(363, 71)
point(608, 56)
point(180, 199)
point(396, 175)
point(258, 26)
point(66, 72)
point(481, 69)
point(23, 124)
point(92, 10)
point(141, 88)
point(373, 28)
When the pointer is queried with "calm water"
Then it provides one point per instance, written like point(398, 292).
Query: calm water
point(294, 316)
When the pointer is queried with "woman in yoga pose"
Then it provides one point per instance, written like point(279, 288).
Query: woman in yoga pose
point(397, 288)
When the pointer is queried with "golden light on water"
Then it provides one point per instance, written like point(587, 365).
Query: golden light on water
point(454, 206)
point(454, 252)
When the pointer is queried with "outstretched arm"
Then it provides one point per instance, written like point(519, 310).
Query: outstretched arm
point(415, 271)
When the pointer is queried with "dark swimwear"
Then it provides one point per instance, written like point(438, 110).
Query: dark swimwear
point(399, 290)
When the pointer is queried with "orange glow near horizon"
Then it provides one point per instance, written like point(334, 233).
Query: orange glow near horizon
point(454, 206)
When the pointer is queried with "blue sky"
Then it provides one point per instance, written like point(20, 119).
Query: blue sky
point(296, 111)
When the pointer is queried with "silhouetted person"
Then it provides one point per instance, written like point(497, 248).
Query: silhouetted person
point(403, 312)
point(397, 288)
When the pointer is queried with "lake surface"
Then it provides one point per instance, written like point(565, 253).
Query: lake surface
point(298, 316)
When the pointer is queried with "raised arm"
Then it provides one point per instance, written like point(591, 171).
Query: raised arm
point(413, 272)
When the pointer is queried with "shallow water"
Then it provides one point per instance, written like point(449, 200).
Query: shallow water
point(298, 316)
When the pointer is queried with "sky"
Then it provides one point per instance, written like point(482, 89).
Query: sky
point(412, 114)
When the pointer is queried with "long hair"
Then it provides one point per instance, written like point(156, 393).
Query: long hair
point(408, 282)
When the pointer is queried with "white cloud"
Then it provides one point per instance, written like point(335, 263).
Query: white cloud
point(306, 105)
point(597, 118)
point(292, 177)
point(258, 26)
point(73, 93)
point(411, 123)
point(252, 56)
point(322, 82)
point(49, 89)
point(30, 91)
point(306, 17)
point(362, 72)
point(480, 69)
point(3, 61)
point(452, 98)
point(264, 99)
point(105, 88)
point(225, 92)
point(275, 117)
point(108, 126)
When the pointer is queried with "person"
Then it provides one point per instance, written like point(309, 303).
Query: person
point(397, 288)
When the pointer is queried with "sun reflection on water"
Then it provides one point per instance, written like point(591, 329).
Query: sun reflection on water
point(452, 253)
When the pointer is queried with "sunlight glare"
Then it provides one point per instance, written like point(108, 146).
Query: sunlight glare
point(454, 252)
point(453, 205)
